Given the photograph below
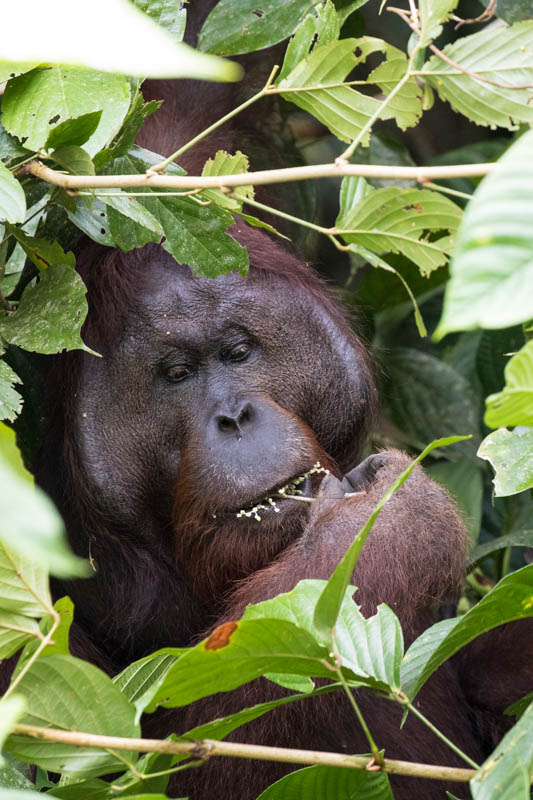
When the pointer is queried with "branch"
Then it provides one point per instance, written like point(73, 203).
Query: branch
point(146, 180)
point(205, 748)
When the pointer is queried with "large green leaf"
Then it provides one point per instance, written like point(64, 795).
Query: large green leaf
point(507, 773)
point(372, 646)
point(398, 220)
point(12, 200)
point(514, 405)
point(511, 599)
point(238, 652)
point(60, 692)
point(50, 314)
point(491, 281)
point(34, 103)
point(195, 234)
point(330, 783)
point(342, 109)
point(511, 455)
point(30, 528)
point(42, 252)
point(233, 28)
point(427, 398)
point(127, 40)
point(501, 55)
point(130, 223)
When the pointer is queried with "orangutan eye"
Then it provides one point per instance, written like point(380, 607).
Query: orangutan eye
point(178, 373)
point(239, 352)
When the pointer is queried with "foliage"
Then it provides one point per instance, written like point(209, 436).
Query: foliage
point(56, 107)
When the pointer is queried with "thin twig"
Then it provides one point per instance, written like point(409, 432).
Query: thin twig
point(207, 747)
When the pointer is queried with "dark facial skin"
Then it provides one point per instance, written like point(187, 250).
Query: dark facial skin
point(217, 387)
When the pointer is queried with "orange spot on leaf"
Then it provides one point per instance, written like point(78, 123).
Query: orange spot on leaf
point(221, 636)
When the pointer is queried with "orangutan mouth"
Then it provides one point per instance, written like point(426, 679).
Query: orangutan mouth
point(297, 488)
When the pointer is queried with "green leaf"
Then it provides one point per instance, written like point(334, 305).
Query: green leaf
point(50, 313)
point(514, 404)
point(330, 601)
point(60, 692)
point(517, 709)
point(519, 538)
point(11, 710)
point(511, 598)
point(427, 398)
point(34, 103)
point(16, 630)
point(322, 25)
point(169, 14)
point(195, 234)
point(11, 778)
point(60, 643)
point(73, 131)
point(464, 481)
point(130, 223)
point(511, 455)
point(405, 107)
point(507, 772)
point(492, 270)
point(128, 42)
point(92, 221)
point(125, 138)
point(30, 527)
point(10, 399)
point(74, 160)
point(41, 252)
point(10, 148)
point(140, 680)
point(342, 109)
point(12, 200)
point(432, 14)
point(225, 164)
point(370, 647)
point(238, 652)
point(330, 783)
point(501, 55)
point(398, 220)
point(233, 28)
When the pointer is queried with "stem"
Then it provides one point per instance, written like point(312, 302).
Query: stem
point(289, 217)
point(161, 166)
point(444, 189)
point(207, 747)
point(263, 177)
point(348, 153)
point(378, 757)
point(441, 736)
point(45, 641)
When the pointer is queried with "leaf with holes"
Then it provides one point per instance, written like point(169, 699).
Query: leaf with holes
point(511, 456)
point(398, 220)
point(502, 57)
point(225, 164)
point(232, 28)
point(432, 14)
point(342, 109)
point(34, 103)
